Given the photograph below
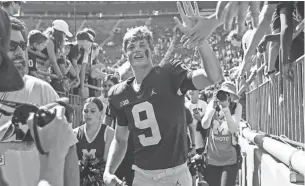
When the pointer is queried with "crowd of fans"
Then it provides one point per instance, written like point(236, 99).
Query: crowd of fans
point(80, 64)
point(107, 54)
point(60, 59)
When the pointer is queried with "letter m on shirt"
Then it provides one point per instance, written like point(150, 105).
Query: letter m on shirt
point(91, 152)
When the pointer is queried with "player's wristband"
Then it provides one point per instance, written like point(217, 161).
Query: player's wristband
point(193, 146)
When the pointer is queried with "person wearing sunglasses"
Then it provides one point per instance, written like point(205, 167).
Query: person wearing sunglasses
point(21, 164)
point(222, 118)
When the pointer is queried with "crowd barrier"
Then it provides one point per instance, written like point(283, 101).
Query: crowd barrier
point(76, 102)
point(277, 112)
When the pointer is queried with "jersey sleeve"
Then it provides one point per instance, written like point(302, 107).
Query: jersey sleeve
point(118, 114)
point(180, 77)
point(114, 111)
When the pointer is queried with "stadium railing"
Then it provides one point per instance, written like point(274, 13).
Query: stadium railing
point(76, 102)
point(279, 109)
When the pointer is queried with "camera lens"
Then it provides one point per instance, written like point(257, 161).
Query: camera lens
point(222, 95)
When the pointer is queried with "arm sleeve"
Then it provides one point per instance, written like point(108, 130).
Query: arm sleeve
point(181, 78)
point(114, 110)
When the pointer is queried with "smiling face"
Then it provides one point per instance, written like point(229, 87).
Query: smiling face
point(138, 53)
point(137, 46)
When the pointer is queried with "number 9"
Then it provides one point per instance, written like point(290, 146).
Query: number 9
point(149, 122)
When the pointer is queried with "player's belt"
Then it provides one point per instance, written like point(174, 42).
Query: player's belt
point(158, 174)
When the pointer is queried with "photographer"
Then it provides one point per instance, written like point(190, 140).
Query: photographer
point(222, 119)
point(21, 164)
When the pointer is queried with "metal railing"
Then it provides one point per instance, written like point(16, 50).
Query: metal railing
point(279, 109)
point(276, 113)
point(76, 102)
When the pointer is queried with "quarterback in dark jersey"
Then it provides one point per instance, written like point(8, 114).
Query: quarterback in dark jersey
point(151, 106)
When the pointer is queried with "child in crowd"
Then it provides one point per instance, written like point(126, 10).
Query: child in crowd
point(37, 42)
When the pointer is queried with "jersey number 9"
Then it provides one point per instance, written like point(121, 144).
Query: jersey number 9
point(149, 122)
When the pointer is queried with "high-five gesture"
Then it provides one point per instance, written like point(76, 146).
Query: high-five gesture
point(195, 27)
point(186, 16)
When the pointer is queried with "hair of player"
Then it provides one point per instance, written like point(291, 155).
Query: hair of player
point(37, 37)
point(97, 101)
point(112, 78)
point(138, 33)
point(5, 30)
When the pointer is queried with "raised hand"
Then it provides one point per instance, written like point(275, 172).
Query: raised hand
point(231, 9)
point(195, 27)
point(186, 14)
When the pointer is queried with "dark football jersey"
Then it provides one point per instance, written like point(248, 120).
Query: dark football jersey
point(95, 148)
point(155, 115)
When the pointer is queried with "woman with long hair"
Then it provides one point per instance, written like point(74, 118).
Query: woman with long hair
point(94, 140)
point(222, 118)
point(54, 48)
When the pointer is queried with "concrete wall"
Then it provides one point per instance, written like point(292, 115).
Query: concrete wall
point(261, 169)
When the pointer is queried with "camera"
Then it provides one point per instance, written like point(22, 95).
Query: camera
point(222, 95)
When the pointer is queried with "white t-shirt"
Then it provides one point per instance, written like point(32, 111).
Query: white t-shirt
point(21, 168)
point(199, 107)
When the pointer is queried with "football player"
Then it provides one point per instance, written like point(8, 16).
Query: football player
point(151, 106)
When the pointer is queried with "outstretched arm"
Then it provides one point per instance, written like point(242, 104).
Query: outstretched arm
point(212, 72)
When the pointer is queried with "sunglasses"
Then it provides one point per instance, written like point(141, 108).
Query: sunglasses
point(14, 45)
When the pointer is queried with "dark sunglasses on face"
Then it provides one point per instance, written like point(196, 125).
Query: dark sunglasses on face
point(14, 45)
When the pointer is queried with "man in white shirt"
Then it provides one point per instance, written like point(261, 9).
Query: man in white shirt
point(21, 164)
point(197, 108)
